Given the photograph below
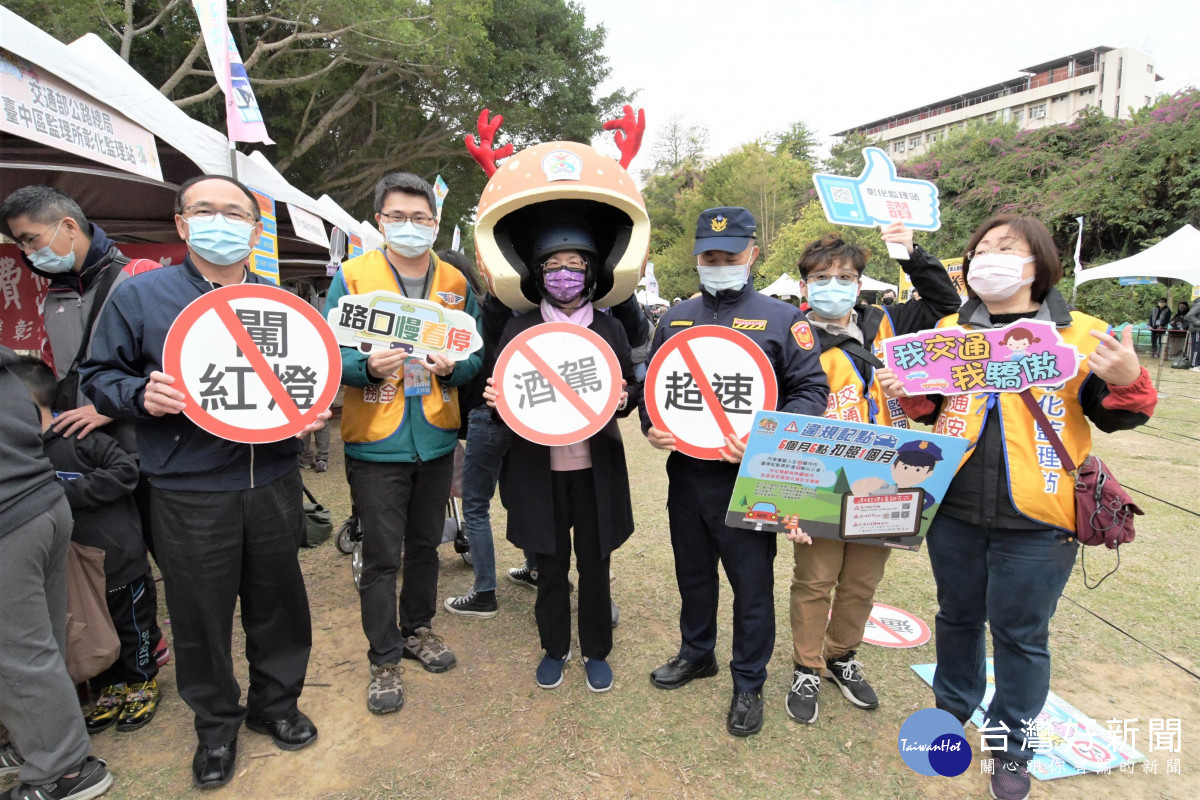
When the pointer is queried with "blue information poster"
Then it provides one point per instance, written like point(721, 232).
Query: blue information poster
point(842, 480)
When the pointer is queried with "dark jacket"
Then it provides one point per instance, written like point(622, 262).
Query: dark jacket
point(99, 478)
point(525, 478)
point(69, 302)
point(1160, 317)
point(803, 388)
point(27, 485)
point(979, 493)
point(128, 346)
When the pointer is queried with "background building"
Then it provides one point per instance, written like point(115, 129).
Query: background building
point(1117, 81)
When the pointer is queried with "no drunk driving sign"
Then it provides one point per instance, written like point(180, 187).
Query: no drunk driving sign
point(255, 363)
point(889, 626)
point(706, 383)
point(557, 383)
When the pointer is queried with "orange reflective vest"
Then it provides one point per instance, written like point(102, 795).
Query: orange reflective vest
point(373, 413)
point(1038, 483)
point(850, 398)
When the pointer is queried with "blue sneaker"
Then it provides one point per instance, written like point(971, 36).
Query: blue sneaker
point(599, 674)
point(550, 671)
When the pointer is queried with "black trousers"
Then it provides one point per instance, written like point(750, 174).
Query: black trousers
point(134, 611)
point(402, 507)
point(697, 500)
point(217, 547)
point(141, 497)
point(574, 498)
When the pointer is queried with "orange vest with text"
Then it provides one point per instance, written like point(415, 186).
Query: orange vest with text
point(1039, 485)
point(850, 398)
point(373, 413)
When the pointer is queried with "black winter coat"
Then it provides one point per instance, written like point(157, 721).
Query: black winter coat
point(525, 478)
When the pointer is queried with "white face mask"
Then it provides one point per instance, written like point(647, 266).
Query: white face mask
point(719, 279)
point(997, 276)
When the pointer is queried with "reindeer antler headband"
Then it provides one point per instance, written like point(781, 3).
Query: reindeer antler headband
point(629, 130)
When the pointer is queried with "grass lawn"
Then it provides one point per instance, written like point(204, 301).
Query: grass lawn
point(484, 729)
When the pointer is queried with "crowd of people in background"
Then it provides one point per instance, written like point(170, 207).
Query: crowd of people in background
point(99, 453)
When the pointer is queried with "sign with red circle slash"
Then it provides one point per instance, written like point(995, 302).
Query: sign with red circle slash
point(889, 626)
point(706, 383)
point(255, 363)
point(557, 383)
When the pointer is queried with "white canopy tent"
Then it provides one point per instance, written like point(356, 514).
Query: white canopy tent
point(787, 286)
point(1175, 257)
point(870, 284)
point(783, 286)
point(187, 147)
point(656, 301)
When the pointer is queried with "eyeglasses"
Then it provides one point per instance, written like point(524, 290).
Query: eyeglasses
point(1003, 251)
point(823, 280)
point(424, 220)
point(204, 214)
point(574, 265)
point(27, 243)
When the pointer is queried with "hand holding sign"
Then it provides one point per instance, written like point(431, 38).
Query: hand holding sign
point(878, 197)
point(1115, 362)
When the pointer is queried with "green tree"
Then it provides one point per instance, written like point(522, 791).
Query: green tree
point(841, 484)
point(845, 156)
point(812, 225)
point(799, 141)
point(356, 88)
point(677, 144)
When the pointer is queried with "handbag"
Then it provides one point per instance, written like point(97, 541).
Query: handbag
point(318, 525)
point(92, 641)
point(1104, 511)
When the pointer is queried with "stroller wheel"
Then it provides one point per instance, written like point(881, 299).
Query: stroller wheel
point(345, 535)
point(468, 559)
point(356, 564)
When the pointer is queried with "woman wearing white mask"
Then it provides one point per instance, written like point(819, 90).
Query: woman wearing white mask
point(1002, 545)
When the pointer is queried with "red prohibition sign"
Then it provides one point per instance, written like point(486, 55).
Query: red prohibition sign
point(219, 301)
point(684, 343)
point(594, 420)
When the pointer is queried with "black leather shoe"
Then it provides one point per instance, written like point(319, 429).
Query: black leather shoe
point(745, 714)
point(291, 733)
point(213, 766)
point(679, 671)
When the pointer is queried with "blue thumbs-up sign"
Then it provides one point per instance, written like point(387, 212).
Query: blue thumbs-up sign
point(878, 197)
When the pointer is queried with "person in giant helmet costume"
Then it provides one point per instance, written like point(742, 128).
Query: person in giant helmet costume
point(562, 232)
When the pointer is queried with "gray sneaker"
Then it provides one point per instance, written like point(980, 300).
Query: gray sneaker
point(10, 759)
point(427, 647)
point(385, 693)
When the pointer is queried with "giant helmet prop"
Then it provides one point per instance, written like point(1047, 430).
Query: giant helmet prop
point(559, 182)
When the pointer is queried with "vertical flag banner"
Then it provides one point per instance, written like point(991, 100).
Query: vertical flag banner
point(1079, 246)
point(456, 241)
point(243, 119)
point(264, 258)
point(651, 284)
point(440, 190)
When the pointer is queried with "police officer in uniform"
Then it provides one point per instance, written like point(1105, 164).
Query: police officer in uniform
point(699, 492)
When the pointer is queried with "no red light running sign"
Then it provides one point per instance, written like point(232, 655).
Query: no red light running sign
point(255, 363)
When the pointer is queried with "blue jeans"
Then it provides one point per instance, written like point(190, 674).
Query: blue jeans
point(1011, 579)
point(487, 442)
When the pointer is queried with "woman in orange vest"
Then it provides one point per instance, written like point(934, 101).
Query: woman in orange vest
point(1002, 545)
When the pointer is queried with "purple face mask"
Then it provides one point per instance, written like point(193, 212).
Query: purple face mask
point(564, 285)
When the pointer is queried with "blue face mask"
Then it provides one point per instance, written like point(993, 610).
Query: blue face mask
point(832, 300)
point(47, 260)
point(220, 241)
point(409, 239)
point(719, 279)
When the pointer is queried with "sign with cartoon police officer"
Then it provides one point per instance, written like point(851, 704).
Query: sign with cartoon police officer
point(842, 480)
point(255, 363)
